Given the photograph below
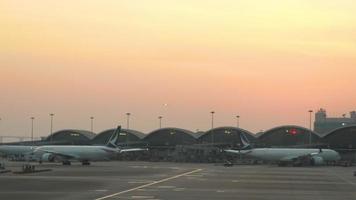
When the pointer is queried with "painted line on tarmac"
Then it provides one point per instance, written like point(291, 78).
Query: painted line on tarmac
point(103, 190)
point(344, 179)
point(149, 184)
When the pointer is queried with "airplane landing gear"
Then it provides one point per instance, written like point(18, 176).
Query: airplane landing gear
point(85, 162)
point(282, 164)
point(66, 162)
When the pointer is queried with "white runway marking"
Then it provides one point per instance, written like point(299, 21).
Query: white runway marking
point(195, 175)
point(338, 176)
point(149, 184)
point(166, 187)
point(344, 179)
point(139, 166)
point(179, 189)
point(142, 197)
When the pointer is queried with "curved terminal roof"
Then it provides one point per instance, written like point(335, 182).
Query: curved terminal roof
point(226, 135)
point(288, 135)
point(344, 137)
point(71, 136)
point(170, 137)
point(126, 136)
point(259, 134)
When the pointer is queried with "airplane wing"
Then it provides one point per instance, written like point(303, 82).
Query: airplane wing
point(237, 151)
point(232, 151)
point(66, 156)
point(132, 150)
point(290, 158)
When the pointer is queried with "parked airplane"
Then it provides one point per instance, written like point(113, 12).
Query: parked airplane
point(285, 156)
point(16, 151)
point(84, 154)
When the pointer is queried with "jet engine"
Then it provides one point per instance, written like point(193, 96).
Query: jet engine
point(47, 157)
point(317, 160)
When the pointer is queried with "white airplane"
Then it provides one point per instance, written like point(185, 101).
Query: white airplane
point(285, 156)
point(84, 154)
point(16, 151)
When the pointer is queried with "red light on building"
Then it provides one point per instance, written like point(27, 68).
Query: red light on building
point(293, 131)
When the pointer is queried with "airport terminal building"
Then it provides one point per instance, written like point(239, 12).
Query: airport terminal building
point(324, 124)
point(181, 145)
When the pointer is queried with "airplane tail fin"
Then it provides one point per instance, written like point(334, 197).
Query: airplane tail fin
point(114, 138)
point(245, 142)
point(244, 148)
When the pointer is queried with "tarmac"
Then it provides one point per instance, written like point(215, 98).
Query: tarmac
point(173, 181)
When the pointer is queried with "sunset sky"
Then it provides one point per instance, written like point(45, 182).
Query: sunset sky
point(269, 61)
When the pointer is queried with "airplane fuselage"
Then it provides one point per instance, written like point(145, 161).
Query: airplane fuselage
point(17, 150)
point(81, 153)
point(278, 154)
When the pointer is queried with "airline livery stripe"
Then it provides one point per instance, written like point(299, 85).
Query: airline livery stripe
point(149, 184)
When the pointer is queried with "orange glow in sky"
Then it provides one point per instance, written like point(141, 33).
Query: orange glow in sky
point(269, 61)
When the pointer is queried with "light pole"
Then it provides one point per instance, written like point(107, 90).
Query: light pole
point(92, 124)
point(32, 119)
point(0, 129)
point(310, 126)
point(128, 120)
point(212, 119)
point(51, 115)
point(160, 121)
point(212, 126)
point(238, 121)
point(128, 127)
